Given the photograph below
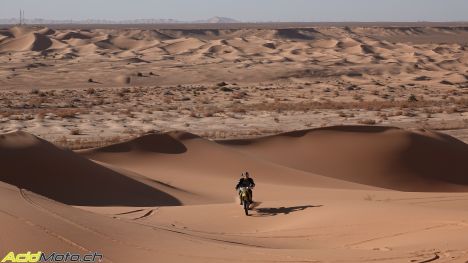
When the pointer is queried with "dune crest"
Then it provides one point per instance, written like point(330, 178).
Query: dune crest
point(168, 143)
point(376, 156)
point(379, 156)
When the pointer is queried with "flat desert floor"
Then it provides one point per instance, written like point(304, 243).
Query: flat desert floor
point(129, 142)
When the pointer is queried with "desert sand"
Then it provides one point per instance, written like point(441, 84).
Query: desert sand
point(69, 84)
point(129, 142)
point(344, 193)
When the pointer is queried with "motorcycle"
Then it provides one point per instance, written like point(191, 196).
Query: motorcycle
point(245, 198)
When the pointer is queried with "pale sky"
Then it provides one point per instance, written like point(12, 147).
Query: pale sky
point(244, 10)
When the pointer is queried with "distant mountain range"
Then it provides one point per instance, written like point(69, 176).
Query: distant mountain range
point(213, 20)
point(218, 20)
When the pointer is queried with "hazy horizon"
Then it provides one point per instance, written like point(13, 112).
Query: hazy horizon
point(242, 10)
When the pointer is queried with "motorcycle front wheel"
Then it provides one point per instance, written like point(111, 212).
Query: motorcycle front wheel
point(246, 207)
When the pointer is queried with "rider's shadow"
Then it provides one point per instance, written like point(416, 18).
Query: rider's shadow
point(273, 211)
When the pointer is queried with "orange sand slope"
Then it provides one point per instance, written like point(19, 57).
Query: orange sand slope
point(322, 195)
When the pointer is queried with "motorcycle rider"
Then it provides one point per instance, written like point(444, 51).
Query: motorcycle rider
point(246, 181)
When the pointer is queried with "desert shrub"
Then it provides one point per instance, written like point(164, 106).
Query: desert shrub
point(239, 109)
point(34, 91)
point(90, 91)
point(123, 91)
point(75, 131)
point(239, 95)
point(367, 121)
point(357, 97)
point(36, 102)
point(412, 98)
point(409, 113)
point(342, 114)
point(211, 111)
point(226, 89)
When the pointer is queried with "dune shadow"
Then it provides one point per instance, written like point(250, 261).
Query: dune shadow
point(299, 34)
point(302, 133)
point(156, 143)
point(66, 177)
point(273, 211)
point(342, 128)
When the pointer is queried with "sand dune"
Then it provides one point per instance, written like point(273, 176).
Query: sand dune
point(36, 165)
point(27, 42)
point(202, 160)
point(331, 194)
point(333, 48)
point(183, 46)
point(377, 156)
point(18, 31)
point(72, 35)
point(388, 158)
point(149, 196)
